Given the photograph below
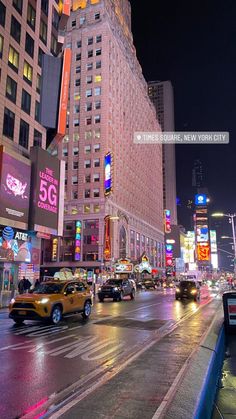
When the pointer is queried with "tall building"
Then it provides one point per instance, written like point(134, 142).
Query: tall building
point(114, 197)
point(161, 94)
point(28, 29)
point(198, 174)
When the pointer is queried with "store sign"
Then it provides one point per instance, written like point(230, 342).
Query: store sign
point(54, 249)
point(14, 189)
point(167, 226)
point(108, 174)
point(78, 227)
point(213, 241)
point(169, 255)
point(123, 266)
point(46, 190)
point(203, 252)
point(232, 310)
point(200, 199)
point(107, 238)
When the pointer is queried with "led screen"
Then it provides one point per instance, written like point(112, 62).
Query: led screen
point(108, 174)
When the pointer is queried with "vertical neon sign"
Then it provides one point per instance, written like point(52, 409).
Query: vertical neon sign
point(167, 221)
point(78, 241)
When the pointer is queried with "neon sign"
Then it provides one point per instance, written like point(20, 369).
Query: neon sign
point(169, 254)
point(167, 225)
point(108, 174)
point(78, 226)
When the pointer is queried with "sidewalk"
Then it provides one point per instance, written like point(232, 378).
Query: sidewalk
point(225, 404)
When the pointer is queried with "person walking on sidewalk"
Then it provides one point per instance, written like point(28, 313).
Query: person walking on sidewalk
point(21, 286)
point(27, 284)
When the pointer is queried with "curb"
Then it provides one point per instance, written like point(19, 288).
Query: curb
point(194, 394)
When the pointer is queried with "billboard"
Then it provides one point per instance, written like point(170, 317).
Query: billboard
point(108, 173)
point(203, 252)
point(202, 234)
point(167, 221)
point(200, 199)
point(45, 191)
point(169, 254)
point(18, 246)
point(61, 128)
point(213, 241)
point(78, 227)
point(14, 189)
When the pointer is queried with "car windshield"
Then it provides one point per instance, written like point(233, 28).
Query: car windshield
point(48, 289)
point(114, 282)
point(187, 284)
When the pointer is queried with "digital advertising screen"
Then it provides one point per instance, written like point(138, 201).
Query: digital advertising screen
point(14, 189)
point(18, 246)
point(45, 191)
point(202, 234)
point(200, 199)
point(108, 173)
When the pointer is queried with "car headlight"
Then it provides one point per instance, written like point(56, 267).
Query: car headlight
point(12, 301)
point(43, 301)
point(193, 291)
point(116, 289)
point(99, 289)
point(177, 290)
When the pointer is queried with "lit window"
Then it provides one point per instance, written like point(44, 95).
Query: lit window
point(75, 151)
point(87, 164)
point(13, 58)
point(89, 93)
point(87, 208)
point(96, 208)
point(28, 72)
point(76, 122)
point(96, 193)
point(82, 20)
point(98, 78)
point(96, 148)
point(74, 180)
point(77, 96)
point(74, 211)
point(89, 79)
point(97, 133)
point(87, 149)
point(75, 137)
point(97, 119)
point(97, 91)
point(88, 135)
point(66, 139)
point(96, 177)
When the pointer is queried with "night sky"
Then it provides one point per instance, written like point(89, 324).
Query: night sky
point(193, 44)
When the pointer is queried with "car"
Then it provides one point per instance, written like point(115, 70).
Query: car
point(116, 289)
point(149, 284)
point(187, 289)
point(51, 300)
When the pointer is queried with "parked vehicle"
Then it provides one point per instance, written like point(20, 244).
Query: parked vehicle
point(51, 300)
point(116, 289)
point(188, 289)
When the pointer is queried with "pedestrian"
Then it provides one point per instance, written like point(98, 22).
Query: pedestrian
point(21, 286)
point(27, 284)
point(37, 283)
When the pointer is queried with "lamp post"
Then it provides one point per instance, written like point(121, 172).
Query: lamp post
point(231, 221)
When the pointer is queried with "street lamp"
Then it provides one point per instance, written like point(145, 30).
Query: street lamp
point(231, 221)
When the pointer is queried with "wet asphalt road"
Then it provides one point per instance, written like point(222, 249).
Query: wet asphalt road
point(43, 364)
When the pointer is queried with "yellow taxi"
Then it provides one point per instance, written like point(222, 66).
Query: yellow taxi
point(51, 300)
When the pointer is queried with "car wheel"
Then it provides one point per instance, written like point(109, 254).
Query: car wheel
point(114, 299)
point(132, 295)
point(56, 315)
point(121, 296)
point(101, 299)
point(87, 310)
point(18, 321)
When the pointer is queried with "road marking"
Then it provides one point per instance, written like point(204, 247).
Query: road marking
point(23, 345)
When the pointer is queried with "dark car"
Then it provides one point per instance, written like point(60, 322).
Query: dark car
point(149, 283)
point(116, 289)
point(187, 289)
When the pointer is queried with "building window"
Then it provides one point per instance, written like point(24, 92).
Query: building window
point(74, 180)
point(37, 111)
point(88, 106)
point(76, 108)
point(1, 45)
point(96, 208)
point(96, 177)
point(25, 101)
point(87, 193)
point(88, 178)
point(40, 57)
point(87, 209)
point(90, 53)
point(76, 137)
point(97, 133)
point(87, 164)
point(75, 151)
point(99, 38)
point(89, 120)
point(74, 195)
point(24, 134)
point(88, 135)
point(89, 66)
point(98, 78)
point(79, 44)
point(13, 58)
point(96, 148)
point(90, 41)
point(97, 104)
point(77, 82)
point(82, 20)
point(97, 119)
point(18, 5)
point(44, 6)
point(78, 69)
point(88, 92)
point(98, 51)
point(29, 45)
point(96, 162)
point(87, 149)
point(11, 89)
point(75, 165)
point(28, 72)
point(97, 91)
point(65, 151)
point(8, 123)
point(31, 16)
point(54, 45)
point(15, 29)
point(98, 64)
point(43, 32)
point(73, 23)
point(76, 122)
point(89, 79)
point(38, 83)
point(2, 14)
point(78, 57)
point(55, 19)
point(97, 16)
point(96, 193)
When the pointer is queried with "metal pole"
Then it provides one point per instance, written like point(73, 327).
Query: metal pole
point(234, 239)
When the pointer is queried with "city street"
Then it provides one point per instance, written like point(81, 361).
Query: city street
point(43, 365)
